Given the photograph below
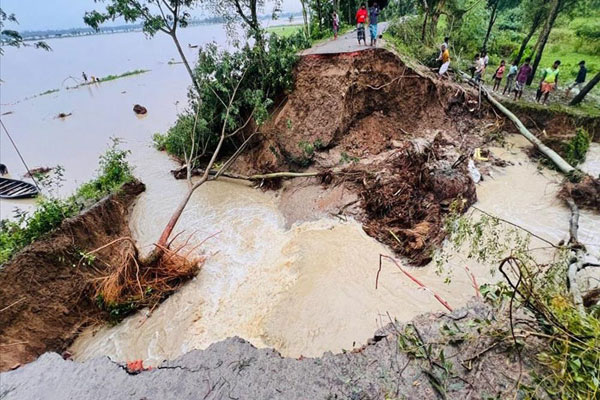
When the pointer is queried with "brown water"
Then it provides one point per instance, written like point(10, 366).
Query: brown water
point(311, 288)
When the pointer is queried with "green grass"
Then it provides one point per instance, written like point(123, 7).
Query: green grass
point(285, 30)
point(51, 211)
point(48, 92)
point(124, 75)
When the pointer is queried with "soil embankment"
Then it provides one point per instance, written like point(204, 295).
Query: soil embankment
point(45, 293)
point(559, 123)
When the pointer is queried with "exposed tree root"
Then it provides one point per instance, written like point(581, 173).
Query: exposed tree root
point(137, 282)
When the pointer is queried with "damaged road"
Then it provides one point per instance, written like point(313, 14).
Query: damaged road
point(392, 364)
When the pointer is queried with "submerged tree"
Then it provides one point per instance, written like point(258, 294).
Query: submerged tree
point(13, 38)
point(156, 16)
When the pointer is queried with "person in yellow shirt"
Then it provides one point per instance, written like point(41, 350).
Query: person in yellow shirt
point(549, 82)
point(445, 58)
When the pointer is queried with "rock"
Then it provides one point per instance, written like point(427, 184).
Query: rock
point(139, 110)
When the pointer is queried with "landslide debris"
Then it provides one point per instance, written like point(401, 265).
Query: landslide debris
point(396, 135)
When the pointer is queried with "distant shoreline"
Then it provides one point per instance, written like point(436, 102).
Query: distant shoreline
point(32, 35)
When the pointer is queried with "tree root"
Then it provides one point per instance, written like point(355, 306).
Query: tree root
point(133, 282)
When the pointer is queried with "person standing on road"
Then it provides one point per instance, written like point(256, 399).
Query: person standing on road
point(510, 78)
point(445, 59)
point(522, 76)
point(498, 75)
point(336, 24)
point(361, 19)
point(373, 14)
point(579, 80)
point(549, 82)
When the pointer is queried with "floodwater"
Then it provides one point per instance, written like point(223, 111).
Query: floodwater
point(99, 111)
point(303, 290)
point(310, 288)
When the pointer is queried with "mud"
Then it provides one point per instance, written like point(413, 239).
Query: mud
point(235, 369)
point(394, 133)
point(559, 124)
point(45, 292)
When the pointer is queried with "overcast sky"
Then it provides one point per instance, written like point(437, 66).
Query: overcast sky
point(58, 14)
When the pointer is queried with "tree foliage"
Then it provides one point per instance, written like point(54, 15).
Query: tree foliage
point(265, 74)
point(11, 37)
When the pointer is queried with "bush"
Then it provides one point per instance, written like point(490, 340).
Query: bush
point(51, 211)
point(577, 147)
point(263, 74)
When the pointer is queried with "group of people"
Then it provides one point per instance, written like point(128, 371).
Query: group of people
point(516, 77)
point(364, 17)
point(549, 82)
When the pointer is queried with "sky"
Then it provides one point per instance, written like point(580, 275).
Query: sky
point(62, 14)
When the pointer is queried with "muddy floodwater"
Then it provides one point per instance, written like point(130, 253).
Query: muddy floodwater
point(304, 289)
point(310, 288)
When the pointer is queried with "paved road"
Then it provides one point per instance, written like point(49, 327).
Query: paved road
point(346, 43)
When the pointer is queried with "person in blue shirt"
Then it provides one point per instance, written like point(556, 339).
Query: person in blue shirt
point(373, 14)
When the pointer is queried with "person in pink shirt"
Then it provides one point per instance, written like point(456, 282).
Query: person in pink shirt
point(498, 75)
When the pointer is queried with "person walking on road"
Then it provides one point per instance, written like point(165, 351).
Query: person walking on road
point(522, 77)
point(336, 24)
point(579, 80)
point(373, 14)
point(361, 19)
point(549, 82)
point(510, 78)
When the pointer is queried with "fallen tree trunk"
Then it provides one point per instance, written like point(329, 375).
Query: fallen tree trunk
point(181, 174)
point(560, 163)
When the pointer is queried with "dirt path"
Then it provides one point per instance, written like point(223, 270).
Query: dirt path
point(345, 43)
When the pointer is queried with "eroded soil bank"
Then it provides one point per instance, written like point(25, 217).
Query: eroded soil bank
point(45, 289)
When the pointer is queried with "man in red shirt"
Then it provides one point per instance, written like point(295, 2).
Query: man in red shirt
point(361, 19)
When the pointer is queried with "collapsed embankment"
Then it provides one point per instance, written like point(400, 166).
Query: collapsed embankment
point(558, 122)
point(396, 138)
point(45, 292)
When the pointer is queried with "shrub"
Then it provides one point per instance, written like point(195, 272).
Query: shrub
point(263, 75)
point(577, 147)
point(51, 211)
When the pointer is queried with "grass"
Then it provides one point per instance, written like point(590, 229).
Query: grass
point(285, 30)
point(49, 92)
point(123, 75)
point(51, 211)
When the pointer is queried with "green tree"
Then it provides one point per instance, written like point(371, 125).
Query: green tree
point(496, 7)
point(156, 16)
point(10, 37)
point(535, 11)
point(244, 11)
point(556, 7)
